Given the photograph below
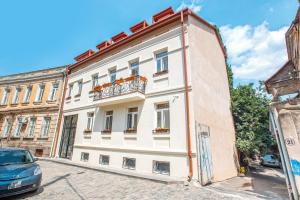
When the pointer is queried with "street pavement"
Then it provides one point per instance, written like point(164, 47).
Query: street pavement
point(66, 182)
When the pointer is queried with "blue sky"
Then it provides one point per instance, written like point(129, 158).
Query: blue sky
point(38, 34)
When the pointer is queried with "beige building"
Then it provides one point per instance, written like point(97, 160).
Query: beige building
point(284, 85)
point(29, 107)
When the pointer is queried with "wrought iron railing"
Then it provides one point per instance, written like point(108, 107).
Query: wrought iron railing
point(120, 87)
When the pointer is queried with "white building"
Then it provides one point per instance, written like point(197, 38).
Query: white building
point(126, 105)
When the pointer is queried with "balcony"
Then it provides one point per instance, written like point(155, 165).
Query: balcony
point(121, 91)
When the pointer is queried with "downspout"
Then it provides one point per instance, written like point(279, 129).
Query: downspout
point(61, 112)
point(187, 107)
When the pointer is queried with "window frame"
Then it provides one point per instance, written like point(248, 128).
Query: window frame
point(53, 93)
point(125, 166)
point(132, 114)
point(80, 85)
point(112, 73)
point(27, 94)
point(31, 127)
point(45, 125)
point(162, 116)
point(95, 80)
point(19, 125)
point(110, 117)
point(90, 121)
point(82, 157)
point(70, 89)
point(40, 94)
point(16, 96)
point(4, 100)
point(159, 58)
point(155, 167)
point(133, 66)
point(7, 127)
point(101, 159)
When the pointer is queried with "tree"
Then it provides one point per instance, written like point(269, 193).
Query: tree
point(251, 118)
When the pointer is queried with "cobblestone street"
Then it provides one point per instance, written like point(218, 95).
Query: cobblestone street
point(68, 182)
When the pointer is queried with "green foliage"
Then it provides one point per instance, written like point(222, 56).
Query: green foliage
point(251, 117)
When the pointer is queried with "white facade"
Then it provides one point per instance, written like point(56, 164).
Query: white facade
point(146, 146)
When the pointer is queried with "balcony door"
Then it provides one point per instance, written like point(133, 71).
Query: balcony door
point(68, 136)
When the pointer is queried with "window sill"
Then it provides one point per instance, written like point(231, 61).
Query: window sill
point(160, 73)
point(37, 102)
point(14, 104)
point(161, 131)
point(3, 106)
point(87, 131)
point(15, 137)
point(77, 95)
point(25, 103)
point(106, 132)
point(42, 138)
point(28, 138)
point(91, 92)
point(51, 101)
point(68, 98)
point(130, 131)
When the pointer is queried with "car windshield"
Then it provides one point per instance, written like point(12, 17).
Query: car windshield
point(15, 157)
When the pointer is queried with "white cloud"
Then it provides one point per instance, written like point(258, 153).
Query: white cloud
point(255, 52)
point(194, 5)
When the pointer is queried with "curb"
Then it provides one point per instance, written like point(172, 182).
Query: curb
point(155, 178)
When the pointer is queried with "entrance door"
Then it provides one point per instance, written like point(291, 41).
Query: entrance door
point(68, 136)
point(205, 165)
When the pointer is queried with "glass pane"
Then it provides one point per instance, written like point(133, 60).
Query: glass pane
point(165, 63)
point(166, 119)
point(129, 121)
point(158, 65)
point(135, 121)
point(158, 119)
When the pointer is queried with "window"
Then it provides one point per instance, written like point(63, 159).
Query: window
point(31, 127)
point(17, 95)
point(129, 163)
point(40, 93)
point(94, 81)
point(108, 120)
point(132, 118)
point(54, 89)
point(104, 160)
point(70, 90)
point(45, 126)
point(5, 97)
point(134, 68)
point(90, 121)
point(162, 61)
point(84, 157)
point(18, 127)
point(113, 75)
point(7, 127)
point(163, 116)
point(27, 94)
point(79, 87)
point(161, 167)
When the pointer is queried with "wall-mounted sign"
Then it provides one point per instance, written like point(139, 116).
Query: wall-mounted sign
point(289, 141)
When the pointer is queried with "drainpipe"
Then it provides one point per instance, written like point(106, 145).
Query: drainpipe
point(187, 108)
point(61, 112)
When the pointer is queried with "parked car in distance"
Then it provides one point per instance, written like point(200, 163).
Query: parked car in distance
point(270, 160)
point(19, 173)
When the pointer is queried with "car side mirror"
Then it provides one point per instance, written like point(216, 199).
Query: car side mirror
point(35, 159)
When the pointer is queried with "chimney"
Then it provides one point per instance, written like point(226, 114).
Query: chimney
point(103, 45)
point(119, 37)
point(84, 55)
point(163, 15)
point(138, 27)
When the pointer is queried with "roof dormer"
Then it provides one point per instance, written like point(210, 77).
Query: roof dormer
point(103, 45)
point(119, 37)
point(84, 55)
point(138, 27)
point(163, 15)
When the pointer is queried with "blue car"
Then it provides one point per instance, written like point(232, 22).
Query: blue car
point(19, 173)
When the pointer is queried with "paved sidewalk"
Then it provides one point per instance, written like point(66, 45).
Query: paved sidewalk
point(66, 182)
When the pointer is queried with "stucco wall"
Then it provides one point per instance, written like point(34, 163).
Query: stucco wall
point(211, 98)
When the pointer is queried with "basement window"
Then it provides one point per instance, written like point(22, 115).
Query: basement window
point(129, 163)
point(84, 157)
point(160, 167)
point(104, 160)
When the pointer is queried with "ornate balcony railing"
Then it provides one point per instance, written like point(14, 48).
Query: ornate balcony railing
point(120, 87)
